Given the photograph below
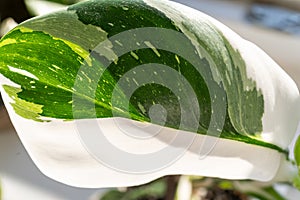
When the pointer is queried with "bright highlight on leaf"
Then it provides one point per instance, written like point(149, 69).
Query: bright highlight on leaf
point(134, 90)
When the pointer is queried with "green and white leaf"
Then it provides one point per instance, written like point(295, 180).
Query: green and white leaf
point(51, 80)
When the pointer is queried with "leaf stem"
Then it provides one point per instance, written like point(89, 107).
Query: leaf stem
point(172, 182)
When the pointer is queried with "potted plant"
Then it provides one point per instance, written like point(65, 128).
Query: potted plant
point(120, 93)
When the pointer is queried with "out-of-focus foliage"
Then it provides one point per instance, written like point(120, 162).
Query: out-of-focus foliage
point(153, 190)
point(66, 2)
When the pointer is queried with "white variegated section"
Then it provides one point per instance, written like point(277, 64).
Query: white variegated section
point(22, 72)
point(59, 153)
point(184, 189)
point(40, 7)
point(281, 95)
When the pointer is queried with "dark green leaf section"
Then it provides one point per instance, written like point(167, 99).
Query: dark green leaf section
point(245, 102)
point(152, 94)
point(54, 50)
point(115, 16)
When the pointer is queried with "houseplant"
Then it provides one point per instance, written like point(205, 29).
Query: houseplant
point(156, 72)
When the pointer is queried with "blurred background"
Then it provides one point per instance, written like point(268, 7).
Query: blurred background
point(274, 25)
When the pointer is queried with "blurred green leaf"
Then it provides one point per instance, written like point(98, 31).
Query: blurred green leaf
point(66, 2)
point(153, 190)
point(268, 193)
point(297, 151)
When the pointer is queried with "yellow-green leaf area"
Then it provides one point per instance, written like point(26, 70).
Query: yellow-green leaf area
point(23, 108)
